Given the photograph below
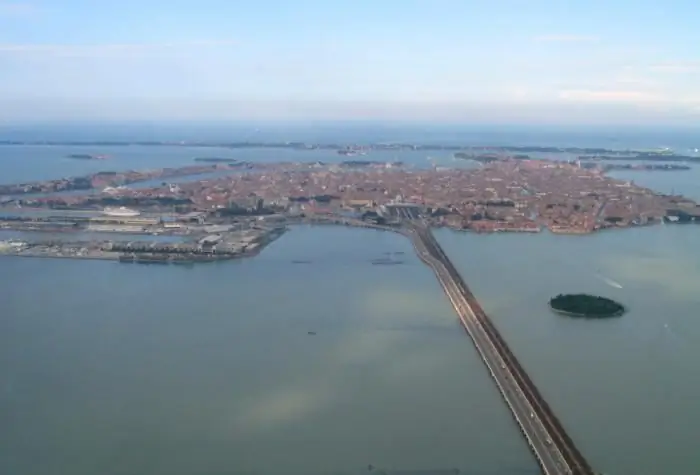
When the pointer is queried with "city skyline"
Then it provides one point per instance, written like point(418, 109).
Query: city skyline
point(475, 62)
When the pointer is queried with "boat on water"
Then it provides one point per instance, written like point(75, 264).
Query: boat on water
point(113, 189)
point(121, 212)
point(385, 262)
point(87, 156)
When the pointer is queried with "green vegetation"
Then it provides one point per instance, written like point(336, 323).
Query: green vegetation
point(482, 158)
point(584, 305)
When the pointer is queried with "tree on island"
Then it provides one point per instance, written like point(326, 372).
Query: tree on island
point(584, 305)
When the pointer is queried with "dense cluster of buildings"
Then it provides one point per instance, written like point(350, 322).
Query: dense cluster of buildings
point(505, 195)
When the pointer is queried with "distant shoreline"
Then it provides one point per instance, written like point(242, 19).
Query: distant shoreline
point(590, 152)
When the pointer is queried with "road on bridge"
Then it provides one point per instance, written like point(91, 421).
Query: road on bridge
point(553, 449)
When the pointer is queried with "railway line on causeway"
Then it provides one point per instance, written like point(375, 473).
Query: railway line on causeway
point(554, 450)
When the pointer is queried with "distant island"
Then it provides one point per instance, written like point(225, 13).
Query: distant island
point(368, 163)
point(480, 157)
point(506, 153)
point(647, 167)
point(586, 306)
point(351, 149)
point(86, 156)
point(215, 160)
point(636, 156)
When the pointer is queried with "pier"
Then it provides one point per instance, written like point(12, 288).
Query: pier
point(553, 448)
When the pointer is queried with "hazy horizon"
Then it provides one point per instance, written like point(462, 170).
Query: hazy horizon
point(349, 123)
point(597, 62)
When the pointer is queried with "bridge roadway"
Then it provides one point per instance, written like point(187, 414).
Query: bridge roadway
point(554, 450)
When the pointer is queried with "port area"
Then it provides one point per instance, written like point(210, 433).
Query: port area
point(152, 237)
point(225, 245)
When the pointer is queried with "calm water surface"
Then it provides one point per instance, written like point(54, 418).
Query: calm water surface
point(26, 163)
point(625, 388)
point(113, 368)
point(686, 183)
point(109, 368)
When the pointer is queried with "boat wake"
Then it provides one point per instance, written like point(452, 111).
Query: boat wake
point(609, 281)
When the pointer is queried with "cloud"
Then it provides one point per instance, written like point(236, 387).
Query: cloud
point(676, 67)
point(637, 81)
point(566, 38)
point(106, 49)
point(518, 93)
point(620, 96)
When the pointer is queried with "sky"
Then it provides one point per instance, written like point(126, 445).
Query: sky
point(471, 61)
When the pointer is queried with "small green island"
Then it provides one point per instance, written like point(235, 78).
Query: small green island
point(586, 306)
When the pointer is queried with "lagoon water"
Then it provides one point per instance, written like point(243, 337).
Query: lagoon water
point(114, 368)
point(124, 369)
point(625, 388)
point(28, 163)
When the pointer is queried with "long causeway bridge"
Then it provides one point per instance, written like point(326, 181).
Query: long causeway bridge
point(552, 446)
